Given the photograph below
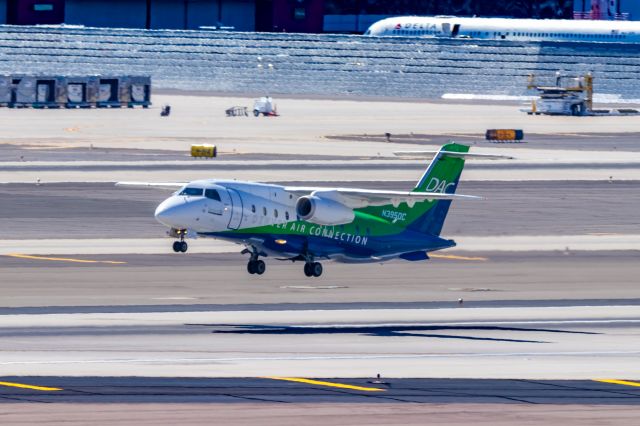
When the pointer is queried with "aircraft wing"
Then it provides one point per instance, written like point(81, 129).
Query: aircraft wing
point(358, 198)
point(163, 185)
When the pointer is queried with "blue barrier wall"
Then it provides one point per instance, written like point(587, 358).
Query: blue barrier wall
point(240, 14)
point(114, 13)
point(164, 14)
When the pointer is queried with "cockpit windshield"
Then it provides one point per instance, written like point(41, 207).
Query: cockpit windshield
point(212, 194)
point(192, 192)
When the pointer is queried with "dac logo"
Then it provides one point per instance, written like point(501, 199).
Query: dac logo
point(398, 26)
point(442, 186)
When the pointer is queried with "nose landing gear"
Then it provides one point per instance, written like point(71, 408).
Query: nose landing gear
point(179, 246)
point(313, 269)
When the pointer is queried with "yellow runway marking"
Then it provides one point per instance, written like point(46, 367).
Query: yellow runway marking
point(23, 386)
point(618, 382)
point(330, 384)
point(455, 257)
point(64, 259)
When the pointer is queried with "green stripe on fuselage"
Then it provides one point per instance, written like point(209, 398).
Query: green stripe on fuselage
point(441, 176)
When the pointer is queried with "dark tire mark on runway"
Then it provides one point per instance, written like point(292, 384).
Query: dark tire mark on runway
point(590, 389)
point(43, 310)
point(21, 399)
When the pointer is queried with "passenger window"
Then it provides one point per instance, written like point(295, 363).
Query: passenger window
point(264, 211)
point(253, 208)
point(286, 215)
point(275, 213)
point(212, 194)
point(192, 192)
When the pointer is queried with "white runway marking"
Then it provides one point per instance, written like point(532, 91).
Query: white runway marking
point(564, 243)
point(319, 358)
point(443, 317)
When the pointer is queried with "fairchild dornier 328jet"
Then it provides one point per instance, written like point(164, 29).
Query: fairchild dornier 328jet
point(312, 224)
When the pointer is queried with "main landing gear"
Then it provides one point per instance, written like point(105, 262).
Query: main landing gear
point(180, 246)
point(258, 267)
point(313, 269)
point(255, 265)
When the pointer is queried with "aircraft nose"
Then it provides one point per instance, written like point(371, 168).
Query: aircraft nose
point(173, 212)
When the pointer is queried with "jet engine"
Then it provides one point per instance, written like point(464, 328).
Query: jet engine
point(323, 211)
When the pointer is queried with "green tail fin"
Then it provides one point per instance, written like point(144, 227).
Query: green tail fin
point(442, 175)
point(444, 171)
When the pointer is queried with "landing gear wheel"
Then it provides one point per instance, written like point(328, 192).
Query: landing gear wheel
point(183, 246)
point(259, 267)
point(313, 269)
point(316, 269)
point(176, 246)
point(256, 267)
point(307, 270)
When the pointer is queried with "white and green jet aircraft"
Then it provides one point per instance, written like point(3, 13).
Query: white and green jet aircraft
point(311, 224)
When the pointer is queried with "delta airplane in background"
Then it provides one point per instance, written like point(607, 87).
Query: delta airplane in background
point(508, 29)
point(310, 224)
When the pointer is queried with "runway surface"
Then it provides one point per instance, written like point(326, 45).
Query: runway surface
point(568, 342)
point(310, 138)
point(594, 167)
point(348, 414)
point(574, 141)
point(14, 153)
point(302, 127)
point(221, 279)
point(522, 322)
point(117, 390)
point(101, 210)
point(203, 316)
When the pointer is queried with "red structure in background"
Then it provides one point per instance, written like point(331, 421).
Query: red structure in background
point(602, 10)
point(32, 12)
point(296, 16)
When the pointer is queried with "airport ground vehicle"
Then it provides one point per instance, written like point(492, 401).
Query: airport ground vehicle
point(264, 106)
point(571, 95)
